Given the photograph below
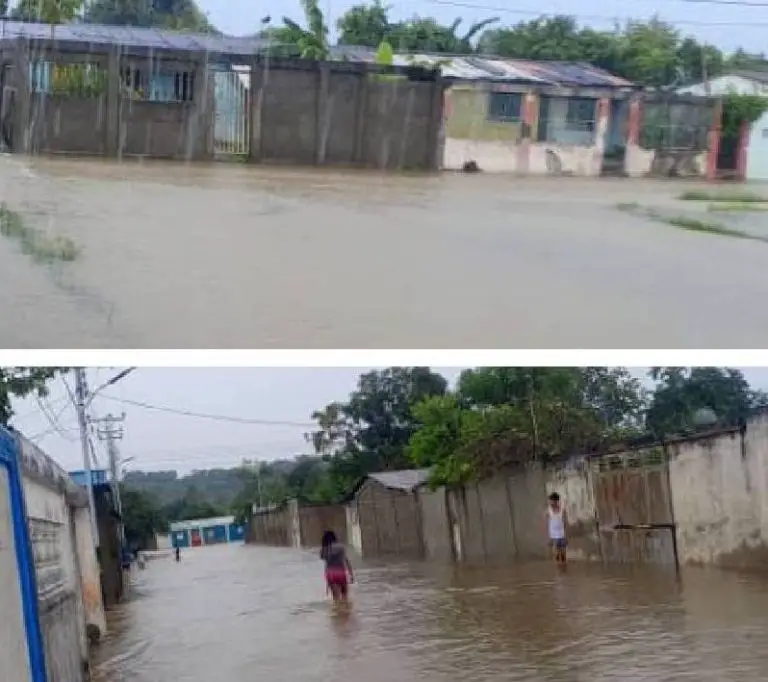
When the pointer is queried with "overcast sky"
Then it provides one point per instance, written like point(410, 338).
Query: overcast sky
point(161, 440)
point(724, 23)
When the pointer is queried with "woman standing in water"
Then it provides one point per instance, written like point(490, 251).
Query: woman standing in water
point(338, 570)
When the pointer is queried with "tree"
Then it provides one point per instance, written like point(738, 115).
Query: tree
point(682, 391)
point(507, 416)
point(183, 15)
point(371, 431)
point(142, 517)
point(366, 25)
point(19, 382)
point(312, 41)
point(47, 11)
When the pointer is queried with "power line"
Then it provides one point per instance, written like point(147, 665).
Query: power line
point(592, 17)
point(53, 419)
point(205, 415)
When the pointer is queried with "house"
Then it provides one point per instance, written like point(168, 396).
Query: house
point(384, 514)
point(199, 532)
point(746, 157)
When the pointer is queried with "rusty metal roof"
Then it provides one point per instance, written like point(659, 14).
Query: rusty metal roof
point(474, 67)
point(407, 479)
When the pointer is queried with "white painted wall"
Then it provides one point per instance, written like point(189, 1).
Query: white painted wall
point(13, 642)
point(757, 149)
point(720, 497)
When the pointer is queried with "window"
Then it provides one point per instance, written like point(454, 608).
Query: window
point(505, 106)
point(581, 113)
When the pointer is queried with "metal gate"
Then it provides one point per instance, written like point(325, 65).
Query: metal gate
point(634, 508)
point(232, 107)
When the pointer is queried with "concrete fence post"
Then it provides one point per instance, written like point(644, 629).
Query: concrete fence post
point(361, 115)
point(112, 127)
point(436, 133)
point(713, 140)
point(256, 96)
point(323, 111)
point(21, 124)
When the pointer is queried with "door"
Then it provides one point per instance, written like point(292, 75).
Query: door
point(197, 540)
point(634, 508)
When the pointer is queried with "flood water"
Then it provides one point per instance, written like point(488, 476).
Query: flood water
point(238, 614)
point(227, 255)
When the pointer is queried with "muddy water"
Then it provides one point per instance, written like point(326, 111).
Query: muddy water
point(238, 614)
point(192, 256)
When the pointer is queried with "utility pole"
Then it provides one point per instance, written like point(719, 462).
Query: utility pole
point(111, 432)
point(81, 396)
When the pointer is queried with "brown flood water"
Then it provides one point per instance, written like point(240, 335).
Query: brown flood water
point(239, 614)
point(230, 256)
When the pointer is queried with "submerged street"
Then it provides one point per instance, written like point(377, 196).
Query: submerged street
point(239, 613)
point(173, 255)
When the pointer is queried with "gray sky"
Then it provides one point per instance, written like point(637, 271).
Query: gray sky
point(160, 440)
point(705, 20)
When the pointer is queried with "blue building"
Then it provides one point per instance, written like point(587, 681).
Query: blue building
point(199, 532)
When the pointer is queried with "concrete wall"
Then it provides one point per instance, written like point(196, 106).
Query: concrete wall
point(572, 480)
point(390, 521)
point(57, 518)
point(271, 527)
point(341, 113)
point(314, 520)
point(13, 640)
point(720, 497)
point(436, 528)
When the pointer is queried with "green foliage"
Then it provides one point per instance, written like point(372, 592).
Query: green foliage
point(312, 42)
point(496, 418)
point(681, 391)
point(19, 382)
point(47, 11)
point(142, 517)
point(740, 109)
point(180, 15)
point(385, 55)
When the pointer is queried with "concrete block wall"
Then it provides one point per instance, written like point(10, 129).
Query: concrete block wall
point(390, 521)
point(720, 497)
point(436, 529)
point(314, 520)
point(572, 480)
point(344, 114)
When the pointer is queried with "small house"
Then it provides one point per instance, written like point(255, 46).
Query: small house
point(384, 514)
point(199, 532)
point(746, 156)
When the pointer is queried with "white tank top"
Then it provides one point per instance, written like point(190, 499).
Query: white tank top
point(556, 524)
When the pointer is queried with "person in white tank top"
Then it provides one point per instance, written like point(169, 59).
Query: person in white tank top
point(556, 525)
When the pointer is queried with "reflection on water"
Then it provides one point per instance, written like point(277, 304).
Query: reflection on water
point(236, 614)
point(225, 255)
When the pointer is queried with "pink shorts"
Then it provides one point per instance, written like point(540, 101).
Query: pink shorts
point(337, 577)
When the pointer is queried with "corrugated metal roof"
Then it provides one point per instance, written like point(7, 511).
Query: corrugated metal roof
point(481, 68)
point(132, 36)
point(751, 75)
point(407, 479)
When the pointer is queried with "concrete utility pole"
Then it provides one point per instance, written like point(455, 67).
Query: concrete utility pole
point(81, 398)
point(111, 432)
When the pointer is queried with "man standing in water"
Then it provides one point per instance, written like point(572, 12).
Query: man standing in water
point(556, 523)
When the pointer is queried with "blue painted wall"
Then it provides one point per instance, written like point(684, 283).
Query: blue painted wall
point(236, 532)
point(180, 538)
point(9, 459)
point(214, 534)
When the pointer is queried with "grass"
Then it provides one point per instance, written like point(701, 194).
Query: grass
point(736, 206)
point(43, 248)
point(686, 223)
point(733, 196)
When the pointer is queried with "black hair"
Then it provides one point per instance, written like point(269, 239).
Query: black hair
point(329, 538)
point(554, 497)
